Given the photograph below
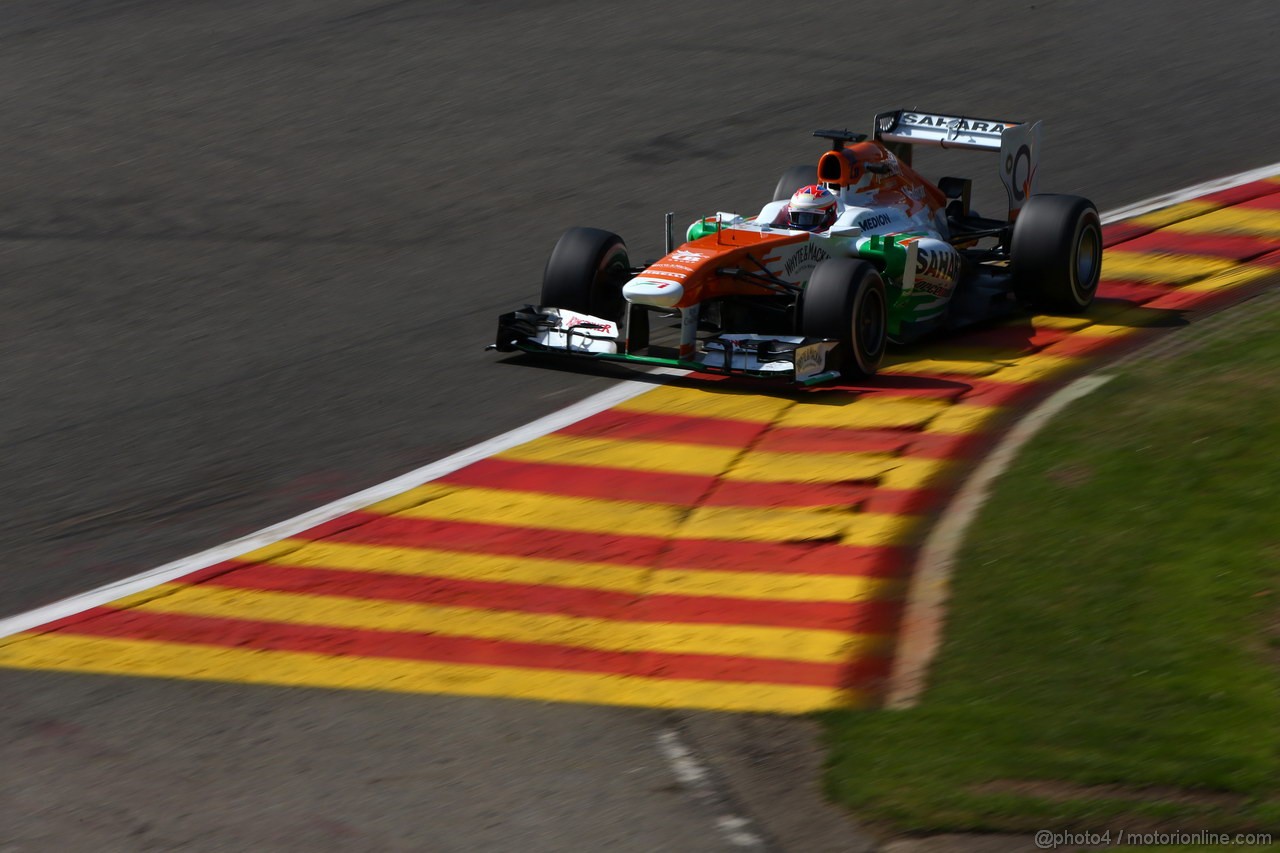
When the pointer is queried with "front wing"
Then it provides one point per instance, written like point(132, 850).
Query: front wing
point(540, 329)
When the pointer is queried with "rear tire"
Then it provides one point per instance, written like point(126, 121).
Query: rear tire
point(1056, 252)
point(585, 273)
point(845, 299)
point(792, 180)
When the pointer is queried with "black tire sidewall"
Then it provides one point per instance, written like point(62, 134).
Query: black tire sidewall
point(1045, 250)
point(834, 304)
point(792, 180)
point(585, 273)
point(867, 346)
point(1091, 223)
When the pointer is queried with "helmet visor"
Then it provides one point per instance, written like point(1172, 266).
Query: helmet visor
point(807, 218)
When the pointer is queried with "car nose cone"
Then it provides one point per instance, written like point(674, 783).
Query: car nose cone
point(660, 294)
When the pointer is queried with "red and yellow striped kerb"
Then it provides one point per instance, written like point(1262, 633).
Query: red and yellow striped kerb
point(705, 545)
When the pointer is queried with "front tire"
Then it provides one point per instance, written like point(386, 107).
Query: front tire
point(792, 180)
point(585, 273)
point(1056, 252)
point(845, 299)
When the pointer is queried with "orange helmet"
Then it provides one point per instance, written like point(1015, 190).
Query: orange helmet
point(812, 208)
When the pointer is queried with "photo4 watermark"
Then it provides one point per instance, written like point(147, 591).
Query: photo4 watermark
point(1048, 839)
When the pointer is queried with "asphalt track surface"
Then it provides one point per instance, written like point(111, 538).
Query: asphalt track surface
point(251, 254)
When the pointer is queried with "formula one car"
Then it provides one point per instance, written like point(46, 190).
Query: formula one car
point(851, 254)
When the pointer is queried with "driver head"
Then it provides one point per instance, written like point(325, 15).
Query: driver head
point(812, 208)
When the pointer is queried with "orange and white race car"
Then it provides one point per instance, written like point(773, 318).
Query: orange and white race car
point(850, 254)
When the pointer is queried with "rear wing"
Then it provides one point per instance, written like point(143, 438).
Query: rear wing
point(1017, 142)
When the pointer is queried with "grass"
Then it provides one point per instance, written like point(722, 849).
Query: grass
point(1112, 655)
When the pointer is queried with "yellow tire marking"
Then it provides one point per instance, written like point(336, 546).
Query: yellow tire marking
point(619, 635)
point(1038, 368)
point(305, 669)
point(531, 509)
point(497, 568)
point(1032, 367)
point(1231, 220)
point(707, 403)
point(772, 524)
point(963, 419)
point(773, 586)
point(1167, 216)
point(1112, 330)
point(598, 515)
point(1050, 321)
point(1232, 278)
point(1161, 268)
point(866, 412)
point(887, 470)
point(666, 456)
point(1121, 314)
point(912, 365)
point(819, 410)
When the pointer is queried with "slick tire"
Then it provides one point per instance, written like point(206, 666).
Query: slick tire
point(845, 299)
point(1056, 253)
point(586, 272)
point(792, 180)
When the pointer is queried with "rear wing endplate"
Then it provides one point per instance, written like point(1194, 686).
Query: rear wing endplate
point(1017, 142)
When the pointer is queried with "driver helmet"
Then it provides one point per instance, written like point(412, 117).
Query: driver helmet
point(812, 208)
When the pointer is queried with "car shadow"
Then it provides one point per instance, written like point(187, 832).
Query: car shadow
point(997, 341)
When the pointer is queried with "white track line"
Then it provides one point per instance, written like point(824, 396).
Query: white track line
point(578, 411)
point(695, 777)
point(1179, 196)
point(594, 404)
